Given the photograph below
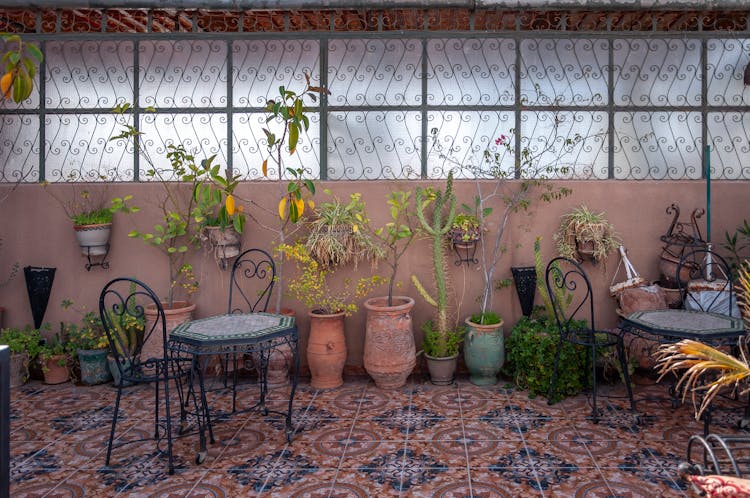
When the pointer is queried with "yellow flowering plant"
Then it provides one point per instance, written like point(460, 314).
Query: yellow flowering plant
point(312, 286)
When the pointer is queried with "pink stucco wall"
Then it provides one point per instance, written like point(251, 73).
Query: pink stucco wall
point(36, 232)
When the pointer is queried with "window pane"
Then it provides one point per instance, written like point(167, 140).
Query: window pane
point(261, 66)
point(373, 145)
point(19, 148)
point(471, 71)
point(89, 74)
point(657, 145)
point(727, 60)
point(78, 148)
point(730, 145)
point(375, 72)
point(183, 73)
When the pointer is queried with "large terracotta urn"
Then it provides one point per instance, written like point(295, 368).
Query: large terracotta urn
point(326, 350)
point(390, 353)
point(180, 312)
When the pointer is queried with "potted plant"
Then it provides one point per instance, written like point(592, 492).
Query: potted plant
point(389, 350)
point(53, 358)
point(584, 235)
point(88, 342)
point(441, 342)
point(24, 348)
point(326, 348)
point(338, 235)
point(499, 165)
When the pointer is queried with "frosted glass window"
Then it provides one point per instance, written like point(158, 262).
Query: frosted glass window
point(19, 148)
point(729, 137)
point(727, 60)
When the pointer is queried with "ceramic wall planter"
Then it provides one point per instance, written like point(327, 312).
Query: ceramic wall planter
point(94, 368)
point(484, 352)
point(390, 352)
point(442, 370)
point(181, 312)
point(224, 242)
point(19, 369)
point(93, 239)
point(326, 350)
point(54, 372)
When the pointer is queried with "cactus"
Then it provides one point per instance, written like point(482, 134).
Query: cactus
point(561, 296)
point(437, 228)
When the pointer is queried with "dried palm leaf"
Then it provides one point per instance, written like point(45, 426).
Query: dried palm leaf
point(701, 369)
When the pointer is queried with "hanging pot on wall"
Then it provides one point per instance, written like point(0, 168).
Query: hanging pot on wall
point(525, 279)
point(93, 239)
point(39, 286)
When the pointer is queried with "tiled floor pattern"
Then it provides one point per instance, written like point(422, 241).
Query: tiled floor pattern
point(357, 441)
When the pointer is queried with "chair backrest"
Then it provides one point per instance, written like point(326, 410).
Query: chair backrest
point(705, 282)
point(122, 309)
point(569, 291)
point(251, 282)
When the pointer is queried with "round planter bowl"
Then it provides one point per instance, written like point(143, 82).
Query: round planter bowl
point(93, 239)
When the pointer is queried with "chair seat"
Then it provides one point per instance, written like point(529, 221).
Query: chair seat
point(599, 338)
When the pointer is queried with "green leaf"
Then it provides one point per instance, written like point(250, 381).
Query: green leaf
point(34, 51)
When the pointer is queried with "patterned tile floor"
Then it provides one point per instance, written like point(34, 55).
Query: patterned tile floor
point(357, 440)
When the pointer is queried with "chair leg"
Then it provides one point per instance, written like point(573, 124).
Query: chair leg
point(553, 381)
point(114, 422)
point(234, 382)
point(156, 410)
point(594, 411)
point(625, 372)
point(170, 461)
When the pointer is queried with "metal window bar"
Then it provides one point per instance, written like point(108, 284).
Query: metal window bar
point(645, 117)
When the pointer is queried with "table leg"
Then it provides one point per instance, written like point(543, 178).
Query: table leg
point(295, 379)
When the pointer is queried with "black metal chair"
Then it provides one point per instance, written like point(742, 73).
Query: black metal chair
point(565, 277)
point(250, 288)
point(705, 282)
point(122, 305)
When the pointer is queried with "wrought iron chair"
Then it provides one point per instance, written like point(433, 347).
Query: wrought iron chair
point(250, 287)
point(565, 276)
point(122, 305)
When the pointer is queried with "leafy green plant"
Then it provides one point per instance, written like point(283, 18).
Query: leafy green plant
point(88, 335)
point(22, 340)
point(396, 235)
point(17, 82)
point(83, 204)
point(488, 318)
point(443, 205)
point(340, 233)
point(312, 284)
point(465, 228)
point(580, 228)
point(54, 348)
point(737, 244)
point(438, 345)
point(531, 350)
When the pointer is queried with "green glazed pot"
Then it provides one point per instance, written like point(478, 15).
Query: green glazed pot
point(484, 352)
point(94, 368)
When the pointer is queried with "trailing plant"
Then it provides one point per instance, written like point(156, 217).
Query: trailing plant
point(82, 203)
point(54, 348)
point(465, 228)
point(443, 205)
point(396, 235)
point(737, 244)
point(88, 335)
point(580, 227)
point(312, 285)
point(437, 345)
point(513, 179)
point(340, 233)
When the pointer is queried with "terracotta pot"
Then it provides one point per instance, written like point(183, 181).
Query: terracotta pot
point(484, 352)
point(93, 239)
point(390, 353)
point(672, 296)
point(55, 373)
point(279, 360)
point(442, 370)
point(668, 271)
point(19, 369)
point(181, 312)
point(326, 350)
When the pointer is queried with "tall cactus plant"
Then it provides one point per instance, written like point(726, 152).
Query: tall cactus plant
point(443, 213)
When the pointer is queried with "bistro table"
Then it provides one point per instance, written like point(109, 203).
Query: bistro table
point(253, 333)
point(672, 325)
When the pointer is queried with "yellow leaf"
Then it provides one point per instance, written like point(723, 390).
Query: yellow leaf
point(300, 207)
point(355, 228)
point(265, 168)
point(282, 208)
point(311, 204)
point(230, 205)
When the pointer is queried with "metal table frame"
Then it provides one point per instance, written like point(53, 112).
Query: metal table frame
point(254, 333)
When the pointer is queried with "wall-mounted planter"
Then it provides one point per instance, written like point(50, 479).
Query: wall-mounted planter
point(224, 243)
point(94, 242)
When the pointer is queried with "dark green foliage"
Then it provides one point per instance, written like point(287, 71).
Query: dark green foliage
point(439, 345)
point(531, 351)
point(486, 318)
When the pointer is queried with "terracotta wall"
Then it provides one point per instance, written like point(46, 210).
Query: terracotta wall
point(36, 232)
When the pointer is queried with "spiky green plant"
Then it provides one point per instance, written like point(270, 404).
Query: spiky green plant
point(443, 205)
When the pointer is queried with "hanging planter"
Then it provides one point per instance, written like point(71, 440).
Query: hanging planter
point(224, 243)
point(39, 286)
point(525, 280)
point(584, 235)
